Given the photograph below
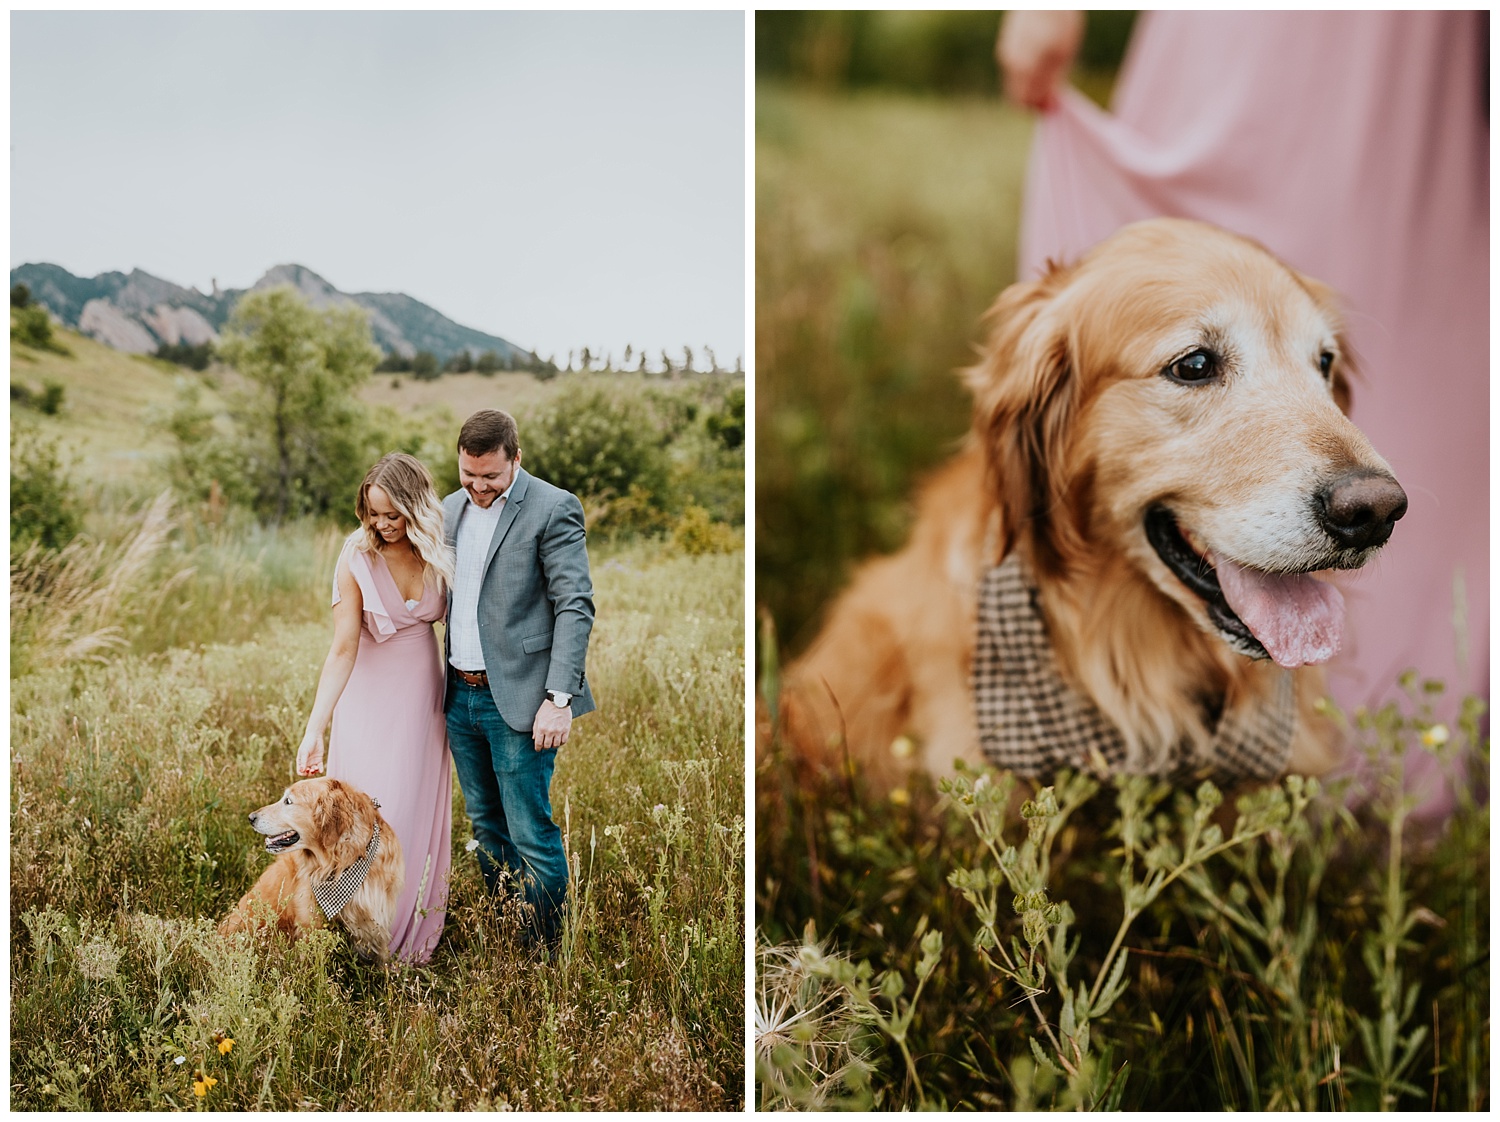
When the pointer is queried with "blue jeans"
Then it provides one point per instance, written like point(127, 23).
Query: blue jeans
point(505, 782)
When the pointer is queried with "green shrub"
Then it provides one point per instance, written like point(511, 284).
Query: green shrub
point(31, 326)
point(695, 533)
point(605, 448)
point(44, 508)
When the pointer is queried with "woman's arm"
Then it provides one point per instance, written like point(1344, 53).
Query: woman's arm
point(1035, 50)
point(347, 615)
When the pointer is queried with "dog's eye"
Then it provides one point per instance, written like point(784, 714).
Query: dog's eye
point(1325, 363)
point(1193, 369)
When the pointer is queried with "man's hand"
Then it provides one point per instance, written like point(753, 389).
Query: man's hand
point(1035, 51)
point(551, 727)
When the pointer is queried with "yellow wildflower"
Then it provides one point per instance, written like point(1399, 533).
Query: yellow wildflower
point(900, 796)
point(200, 1087)
point(226, 1044)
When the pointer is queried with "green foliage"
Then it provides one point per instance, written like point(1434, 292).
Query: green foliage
point(947, 52)
point(44, 506)
point(48, 402)
point(696, 533)
point(728, 427)
point(424, 366)
point(1152, 950)
point(296, 439)
point(603, 447)
point(195, 356)
point(20, 296)
point(642, 461)
point(31, 326)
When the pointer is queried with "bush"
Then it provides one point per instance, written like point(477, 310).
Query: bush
point(604, 448)
point(49, 401)
point(44, 509)
point(696, 533)
point(196, 356)
point(31, 326)
point(20, 296)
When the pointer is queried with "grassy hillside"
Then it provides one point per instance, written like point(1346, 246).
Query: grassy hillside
point(109, 399)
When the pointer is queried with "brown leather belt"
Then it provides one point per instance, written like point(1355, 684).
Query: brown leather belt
point(474, 678)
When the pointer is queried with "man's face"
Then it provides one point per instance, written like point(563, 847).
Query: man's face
point(486, 477)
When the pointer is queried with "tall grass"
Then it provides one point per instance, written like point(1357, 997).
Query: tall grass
point(1289, 948)
point(134, 760)
point(885, 225)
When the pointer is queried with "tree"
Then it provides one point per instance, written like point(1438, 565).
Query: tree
point(585, 359)
point(687, 359)
point(424, 366)
point(666, 363)
point(20, 296)
point(488, 362)
point(300, 422)
point(628, 352)
point(713, 360)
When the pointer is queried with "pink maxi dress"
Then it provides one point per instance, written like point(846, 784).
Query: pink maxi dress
point(389, 739)
point(1353, 145)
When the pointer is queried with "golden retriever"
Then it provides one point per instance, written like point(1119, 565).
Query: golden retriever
point(1160, 429)
point(318, 829)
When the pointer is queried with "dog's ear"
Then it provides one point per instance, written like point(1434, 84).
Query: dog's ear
point(334, 815)
point(1345, 367)
point(1025, 395)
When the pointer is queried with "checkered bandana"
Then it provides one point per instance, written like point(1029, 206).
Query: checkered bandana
point(1033, 723)
point(337, 891)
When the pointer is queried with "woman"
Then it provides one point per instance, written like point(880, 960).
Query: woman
point(382, 685)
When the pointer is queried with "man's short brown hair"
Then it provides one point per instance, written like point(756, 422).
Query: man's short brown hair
point(489, 430)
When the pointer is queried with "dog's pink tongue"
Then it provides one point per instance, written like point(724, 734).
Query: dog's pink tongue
point(1297, 618)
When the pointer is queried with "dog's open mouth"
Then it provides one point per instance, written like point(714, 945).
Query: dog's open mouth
point(278, 843)
point(1293, 618)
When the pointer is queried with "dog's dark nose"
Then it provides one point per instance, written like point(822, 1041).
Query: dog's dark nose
point(1359, 509)
point(251, 816)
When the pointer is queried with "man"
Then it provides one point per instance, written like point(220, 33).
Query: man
point(519, 617)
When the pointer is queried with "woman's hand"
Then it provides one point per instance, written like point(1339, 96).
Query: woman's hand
point(1035, 51)
point(310, 754)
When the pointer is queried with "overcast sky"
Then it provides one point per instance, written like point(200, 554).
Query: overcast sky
point(561, 180)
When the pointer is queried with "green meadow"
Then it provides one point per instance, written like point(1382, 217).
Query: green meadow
point(163, 663)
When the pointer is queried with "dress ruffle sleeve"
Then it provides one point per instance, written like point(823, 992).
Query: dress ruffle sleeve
point(377, 616)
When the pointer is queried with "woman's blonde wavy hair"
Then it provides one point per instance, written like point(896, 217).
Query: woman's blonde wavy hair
point(408, 483)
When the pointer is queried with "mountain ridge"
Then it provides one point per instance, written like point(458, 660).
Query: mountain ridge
point(139, 312)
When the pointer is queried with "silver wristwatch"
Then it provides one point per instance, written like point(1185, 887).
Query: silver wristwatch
point(560, 699)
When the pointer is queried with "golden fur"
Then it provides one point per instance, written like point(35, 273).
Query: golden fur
point(1076, 434)
point(333, 822)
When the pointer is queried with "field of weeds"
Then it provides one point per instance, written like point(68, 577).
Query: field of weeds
point(162, 670)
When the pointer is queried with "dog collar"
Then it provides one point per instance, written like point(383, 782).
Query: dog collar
point(1033, 723)
point(338, 890)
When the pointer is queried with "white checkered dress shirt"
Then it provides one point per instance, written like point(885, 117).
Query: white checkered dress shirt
point(476, 527)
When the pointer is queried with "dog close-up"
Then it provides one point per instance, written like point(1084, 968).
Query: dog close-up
point(1127, 566)
point(323, 834)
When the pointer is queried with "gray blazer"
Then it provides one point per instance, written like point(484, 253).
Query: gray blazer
point(536, 604)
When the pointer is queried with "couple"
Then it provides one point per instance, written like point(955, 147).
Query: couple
point(503, 561)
